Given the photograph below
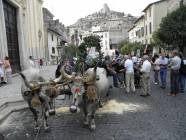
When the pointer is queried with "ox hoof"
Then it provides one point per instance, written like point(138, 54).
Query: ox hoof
point(86, 121)
point(73, 109)
point(47, 113)
point(92, 125)
point(36, 128)
point(47, 128)
point(52, 112)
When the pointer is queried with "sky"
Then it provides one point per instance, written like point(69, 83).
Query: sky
point(69, 11)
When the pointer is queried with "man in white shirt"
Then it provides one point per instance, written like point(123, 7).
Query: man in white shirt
point(146, 68)
point(129, 76)
point(163, 63)
point(31, 62)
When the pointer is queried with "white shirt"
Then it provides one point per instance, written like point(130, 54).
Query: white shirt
point(146, 67)
point(163, 60)
point(156, 64)
point(134, 59)
point(31, 62)
point(1, 69)
point(129, 66)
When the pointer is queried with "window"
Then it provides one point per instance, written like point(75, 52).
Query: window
point(52, 37)
point(146, 16)
point(150, 28)
point(53, 50)
point(150, 12)
point(105, 42)
point(105, 35)
point(146, 29)
point(142, 31)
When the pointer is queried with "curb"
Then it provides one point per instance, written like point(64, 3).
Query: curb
point(15, 75)
point(9, 107)
point(5, 104)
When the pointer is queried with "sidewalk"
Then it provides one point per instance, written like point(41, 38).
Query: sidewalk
point(12, 92)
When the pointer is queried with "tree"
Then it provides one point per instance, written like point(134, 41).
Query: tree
point(127, 47)
point(172, 30)
point(71, 51)
point(156, 39)
point(88, 42)
point(91, 41)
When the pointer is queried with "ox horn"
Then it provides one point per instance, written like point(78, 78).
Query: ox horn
point(63, 75)
point(26, 81)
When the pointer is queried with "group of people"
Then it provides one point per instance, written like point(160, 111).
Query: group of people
point(133, 70)
point(136, 72)
point(5, 71)
point(177, 66)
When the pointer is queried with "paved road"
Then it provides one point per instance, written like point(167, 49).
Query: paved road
point(130, 117)
point(12, 92)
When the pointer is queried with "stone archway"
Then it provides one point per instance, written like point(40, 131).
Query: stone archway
point(10, 14)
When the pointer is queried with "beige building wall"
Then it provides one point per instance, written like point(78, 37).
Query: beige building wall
point(160, 11)
point(29, 27)
point(153, 17)
point(35, 31)
point(137, 33)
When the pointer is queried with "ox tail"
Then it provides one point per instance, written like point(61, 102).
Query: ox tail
point(25, 80)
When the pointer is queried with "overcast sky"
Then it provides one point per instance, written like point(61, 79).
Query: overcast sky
point(69, 11)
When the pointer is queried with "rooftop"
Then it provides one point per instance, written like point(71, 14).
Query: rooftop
point(156, 2)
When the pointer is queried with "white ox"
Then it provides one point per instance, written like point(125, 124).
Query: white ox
point(87, 101)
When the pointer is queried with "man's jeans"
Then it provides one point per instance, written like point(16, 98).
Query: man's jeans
point(174, 81)
point(115, 80)
point(163, 76)
point(182, 80)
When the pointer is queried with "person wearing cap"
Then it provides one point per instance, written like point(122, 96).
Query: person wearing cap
point(174, 65)
point(146, 68)
point(129, 75)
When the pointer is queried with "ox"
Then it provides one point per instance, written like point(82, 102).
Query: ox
point(93, 87)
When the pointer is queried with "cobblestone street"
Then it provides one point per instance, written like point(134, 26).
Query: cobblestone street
point(158, 117)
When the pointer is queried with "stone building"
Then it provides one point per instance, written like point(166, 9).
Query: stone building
point(21, 36)
point(54, 36)
point(147, 24)
point(136, 33)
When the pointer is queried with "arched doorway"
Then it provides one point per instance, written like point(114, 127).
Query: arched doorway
point(10, 14)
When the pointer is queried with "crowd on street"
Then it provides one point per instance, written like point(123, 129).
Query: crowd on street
point(132, 72)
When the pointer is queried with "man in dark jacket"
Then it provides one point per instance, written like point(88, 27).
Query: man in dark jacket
point(182, 74)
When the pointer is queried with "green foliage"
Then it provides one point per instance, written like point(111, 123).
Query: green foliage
point(172, 30)
point(71, 51)
point(156, 39)
point(88, 42)
point(127, 47)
